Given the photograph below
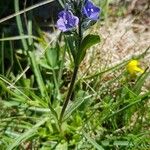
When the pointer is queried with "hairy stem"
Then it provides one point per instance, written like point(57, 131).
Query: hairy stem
point(69, 93)
point(74, 72)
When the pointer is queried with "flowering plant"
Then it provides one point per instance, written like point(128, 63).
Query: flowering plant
point(73, 21)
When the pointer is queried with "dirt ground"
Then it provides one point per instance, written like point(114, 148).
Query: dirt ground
point(124, 38)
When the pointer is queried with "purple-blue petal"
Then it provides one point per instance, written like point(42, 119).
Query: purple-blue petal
point(61, 25)
point(91, 11)
point(67, 21)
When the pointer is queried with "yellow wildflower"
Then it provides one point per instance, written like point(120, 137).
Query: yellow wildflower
point(133, 67)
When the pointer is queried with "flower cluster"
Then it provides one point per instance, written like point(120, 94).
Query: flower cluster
point(68, 21)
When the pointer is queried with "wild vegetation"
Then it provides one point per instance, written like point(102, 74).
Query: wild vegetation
point(72, 79)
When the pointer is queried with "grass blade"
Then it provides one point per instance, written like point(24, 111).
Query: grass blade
point(20, 26)
point(26, 134)
point(74, 106)
point(25, 10)
point(38, 75)
point(21, 37)
point(93, 142)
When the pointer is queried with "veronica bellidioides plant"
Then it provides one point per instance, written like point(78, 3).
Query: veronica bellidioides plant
point(77, 16)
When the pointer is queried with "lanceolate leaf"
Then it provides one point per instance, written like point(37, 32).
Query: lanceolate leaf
point(86, 43)
point(89, 41)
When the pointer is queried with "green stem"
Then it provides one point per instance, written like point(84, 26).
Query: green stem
point(69, 93)
point(74, 73)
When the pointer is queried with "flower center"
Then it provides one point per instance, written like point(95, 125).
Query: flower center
point(66, 21)
point(90, 10)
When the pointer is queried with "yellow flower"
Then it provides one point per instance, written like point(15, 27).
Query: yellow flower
point(133, 68)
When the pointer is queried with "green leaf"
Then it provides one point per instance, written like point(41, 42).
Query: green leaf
point(140, 82)
point(86, 43)
point(62, 146)
point(72, 45)
point(38, 74)
point(93, 142)
point(75, 105)
point(89, 41)
point(52, 56)
point(20, 25)
point(26, 135)
point(43, 63)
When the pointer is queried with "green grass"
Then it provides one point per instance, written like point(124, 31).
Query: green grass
point(103, 113)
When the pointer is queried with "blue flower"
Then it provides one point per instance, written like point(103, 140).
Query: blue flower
point(90, 10)
point(67, 21)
